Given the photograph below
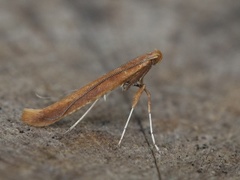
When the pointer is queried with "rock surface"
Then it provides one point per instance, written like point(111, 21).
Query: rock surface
point(53, 47)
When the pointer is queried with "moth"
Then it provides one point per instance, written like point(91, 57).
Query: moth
point(127, 75)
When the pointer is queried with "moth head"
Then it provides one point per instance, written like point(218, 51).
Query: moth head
point(155, 56)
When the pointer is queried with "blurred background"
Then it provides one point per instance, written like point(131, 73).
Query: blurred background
point(51, 47)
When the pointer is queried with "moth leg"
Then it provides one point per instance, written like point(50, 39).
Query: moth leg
point(82, 116)
point(150, 118)
point(134, 103)
point(105, 97)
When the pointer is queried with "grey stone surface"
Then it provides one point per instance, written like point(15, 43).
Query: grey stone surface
point(52, 47)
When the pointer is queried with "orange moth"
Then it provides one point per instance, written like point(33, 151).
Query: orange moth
point(127, 75)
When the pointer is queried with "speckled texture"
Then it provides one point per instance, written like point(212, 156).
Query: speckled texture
point(53, 47)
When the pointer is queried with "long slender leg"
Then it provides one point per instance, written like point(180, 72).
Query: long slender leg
point(125, 127)
point(134, 103)
point(150, 118)
point(82, 116)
